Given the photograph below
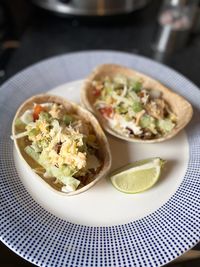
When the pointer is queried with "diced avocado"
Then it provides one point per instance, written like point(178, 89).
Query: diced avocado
point(148, 122)
point(137, 106)
point(135, 86)
point(44, 116)
point(165, 125)
point(67, 119)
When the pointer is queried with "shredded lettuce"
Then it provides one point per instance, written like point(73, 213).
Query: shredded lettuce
point(133, 105)
point(60, 143)
point(61, 174)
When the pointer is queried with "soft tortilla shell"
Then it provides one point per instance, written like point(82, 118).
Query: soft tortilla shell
point(104, 151)
point(180, 106)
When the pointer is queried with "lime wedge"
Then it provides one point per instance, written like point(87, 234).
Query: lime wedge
point(138, 176)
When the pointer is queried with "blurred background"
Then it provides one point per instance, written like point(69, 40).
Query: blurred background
point(166, 31)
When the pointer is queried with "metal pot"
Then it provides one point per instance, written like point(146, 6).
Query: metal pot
point(91, 7)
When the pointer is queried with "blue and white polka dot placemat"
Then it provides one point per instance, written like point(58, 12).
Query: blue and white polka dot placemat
point(46, 240)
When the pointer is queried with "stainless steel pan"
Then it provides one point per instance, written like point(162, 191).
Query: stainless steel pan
point(91, 7)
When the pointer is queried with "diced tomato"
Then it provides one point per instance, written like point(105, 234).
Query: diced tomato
point(107, 112)
point(96, 92)
point(36, 111)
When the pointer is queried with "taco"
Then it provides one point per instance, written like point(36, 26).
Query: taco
point(133, 106)
point(61, 142)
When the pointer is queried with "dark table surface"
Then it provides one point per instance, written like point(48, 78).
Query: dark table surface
point(42, 34)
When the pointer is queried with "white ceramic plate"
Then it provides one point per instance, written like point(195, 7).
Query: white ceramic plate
point(101, 227)
point(104, 205)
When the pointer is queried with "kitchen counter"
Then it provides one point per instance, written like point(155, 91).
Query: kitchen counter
point(46, 35)
point(43, 35)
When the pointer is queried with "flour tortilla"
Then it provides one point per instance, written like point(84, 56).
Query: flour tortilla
point(180, 106)
point(71, 108)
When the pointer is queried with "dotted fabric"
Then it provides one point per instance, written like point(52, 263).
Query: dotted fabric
point(46, 240)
